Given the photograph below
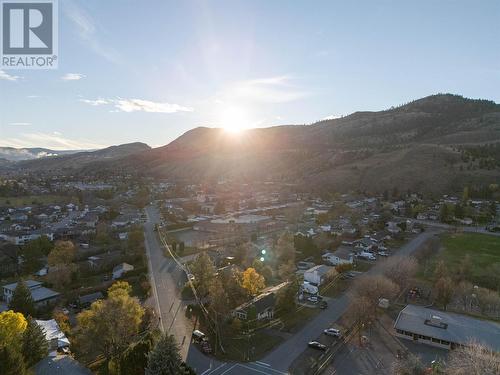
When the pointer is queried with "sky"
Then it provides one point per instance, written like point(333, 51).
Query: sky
point(150, 70)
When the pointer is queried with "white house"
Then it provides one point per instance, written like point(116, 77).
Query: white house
point(318, 275)
point(343, 255)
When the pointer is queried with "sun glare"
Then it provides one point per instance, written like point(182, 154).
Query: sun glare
point(234, 119)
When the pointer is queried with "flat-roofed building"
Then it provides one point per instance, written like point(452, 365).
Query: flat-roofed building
point(444, 329)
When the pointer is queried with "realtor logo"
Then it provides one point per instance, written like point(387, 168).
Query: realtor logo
point(29, 34)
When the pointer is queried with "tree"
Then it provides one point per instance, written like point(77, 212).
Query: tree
point(135, 241)
point(165, 359)
point(12, 326)
point(285, 250)
point(444, 213)
point(110, 325)
point(441, 270)
point(400, 270)
point(252, 282)
point(34, 344)
point(219, 300)
point(134, 359)
point(464, 293)
point(488, 300)
point(243, 254)
point(22, 300)
point(444, 289)
point(233, 286)
point(372, 288)
point(203, 271)
point(473, 359)
point(411, 365)
point(286, 298)
point(286, 270)
point(64, 252)
point(11, 361)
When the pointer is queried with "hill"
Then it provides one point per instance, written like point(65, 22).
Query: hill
point(79, 160)
point(17, 154)
point(421, 145)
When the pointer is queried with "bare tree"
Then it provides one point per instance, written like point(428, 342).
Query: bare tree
point(474, 359)
point(464, 293)
point(400, 270)
point(372, 289)
point(488, 300)
point(444, 289)
point(410, 365)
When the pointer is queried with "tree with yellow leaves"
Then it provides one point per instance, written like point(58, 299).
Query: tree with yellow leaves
point(252, 282)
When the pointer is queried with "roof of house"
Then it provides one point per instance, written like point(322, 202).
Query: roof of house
point(29, 283)
point(52, 331)
point(343, 252)
point(89, 298)
point(123, 267)
point(454, 328)
point(263, 301)
point(320, 269)
point(60, 365)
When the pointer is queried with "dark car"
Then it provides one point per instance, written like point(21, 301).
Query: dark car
point(323, 305)
point(316, 345)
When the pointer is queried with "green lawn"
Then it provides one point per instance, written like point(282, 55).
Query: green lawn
point(483, 249)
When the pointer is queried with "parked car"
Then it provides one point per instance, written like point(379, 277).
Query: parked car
point(313, 299)
point(323, 305)
point(316, 345)
point(383, 253)
point(332, 332)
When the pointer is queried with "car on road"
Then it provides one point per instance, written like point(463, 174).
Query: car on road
point(316, 345)
point(332, 332)
point(323, 305)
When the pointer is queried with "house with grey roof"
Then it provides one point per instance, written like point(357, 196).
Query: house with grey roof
point(262, 305)
point(41, 296)
point(444, 329)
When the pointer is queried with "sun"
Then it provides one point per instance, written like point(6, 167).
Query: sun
point(234, 119)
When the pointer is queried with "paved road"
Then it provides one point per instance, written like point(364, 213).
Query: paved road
point(164, 278)
point(282, 357)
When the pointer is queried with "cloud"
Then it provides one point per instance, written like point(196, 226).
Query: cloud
point(7, 77)
point(19, 123)
point(54, 141)
point(138, 105)
point(95, 102)
point(278, 89)
point(88, 31)
point(72, 77)
point(133, 105)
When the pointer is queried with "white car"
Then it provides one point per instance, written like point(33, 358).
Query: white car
point(383, 253)
point(313, 299)
point(332, 332)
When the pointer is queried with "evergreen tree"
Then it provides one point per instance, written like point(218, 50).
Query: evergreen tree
point(21, 300)
point(165, 359)
point(11, 361)
point(34, 344)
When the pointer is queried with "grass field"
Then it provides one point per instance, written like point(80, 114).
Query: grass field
point(32, 200)
point(483, 249)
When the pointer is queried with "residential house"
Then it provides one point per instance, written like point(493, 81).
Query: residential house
point(319, 274)
point(86, 300)
point(343, 255)
point(41, 296)
point(262, 305)
point(53, 334)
